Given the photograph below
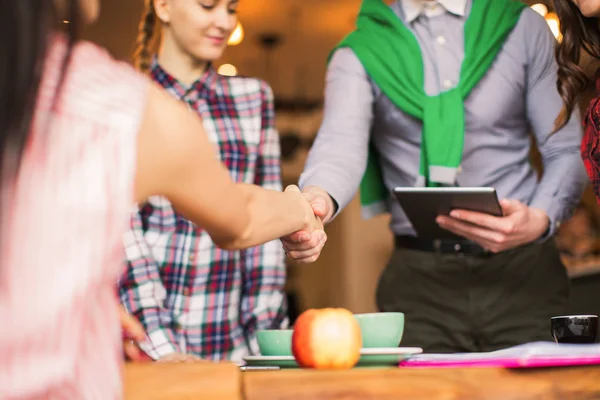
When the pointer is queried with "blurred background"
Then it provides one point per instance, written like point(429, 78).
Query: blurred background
point(286, 43)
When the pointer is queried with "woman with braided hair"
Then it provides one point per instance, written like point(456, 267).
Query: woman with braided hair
point(194, 299)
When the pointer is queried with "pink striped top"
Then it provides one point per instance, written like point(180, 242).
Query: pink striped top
point(61, 238)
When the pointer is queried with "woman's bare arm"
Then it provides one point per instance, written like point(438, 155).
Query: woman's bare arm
point(176, 160)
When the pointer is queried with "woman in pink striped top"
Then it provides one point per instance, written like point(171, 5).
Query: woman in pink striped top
point(83, 139)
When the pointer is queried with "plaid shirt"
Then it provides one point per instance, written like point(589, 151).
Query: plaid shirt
point(191, 296)
point(590, 151)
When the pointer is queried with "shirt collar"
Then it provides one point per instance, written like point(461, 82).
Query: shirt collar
point(414, 8)
point(205, 83)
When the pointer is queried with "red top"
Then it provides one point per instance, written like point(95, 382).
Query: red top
point(589, 145)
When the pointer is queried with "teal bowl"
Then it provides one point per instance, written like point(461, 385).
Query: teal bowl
point(275, 342)
point(384, 329)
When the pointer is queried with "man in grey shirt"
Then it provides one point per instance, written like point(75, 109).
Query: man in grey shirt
point(499, 285)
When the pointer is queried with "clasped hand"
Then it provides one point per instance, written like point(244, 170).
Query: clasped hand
point(305, 245)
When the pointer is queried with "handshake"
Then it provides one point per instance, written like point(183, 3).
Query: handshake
point(305, 246)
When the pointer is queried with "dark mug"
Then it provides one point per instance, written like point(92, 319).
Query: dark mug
point(574, 328)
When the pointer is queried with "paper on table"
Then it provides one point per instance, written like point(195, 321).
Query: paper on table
point(543, 352)
point(543, 349)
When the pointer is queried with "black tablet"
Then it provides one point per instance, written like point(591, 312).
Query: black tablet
point(423, 205)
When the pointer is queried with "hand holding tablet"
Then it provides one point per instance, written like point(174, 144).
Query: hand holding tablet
point(423, 205)
point(474, 214)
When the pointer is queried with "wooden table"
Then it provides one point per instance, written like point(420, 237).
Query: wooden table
point(426, 384)
point(206, 381)
point(225, 381)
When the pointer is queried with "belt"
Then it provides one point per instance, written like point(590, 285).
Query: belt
point(442, 246)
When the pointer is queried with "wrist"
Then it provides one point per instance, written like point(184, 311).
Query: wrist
point(300, 203)
point(332, 208)
point(542, 223)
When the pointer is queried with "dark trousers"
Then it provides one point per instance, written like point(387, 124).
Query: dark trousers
point(469, 303)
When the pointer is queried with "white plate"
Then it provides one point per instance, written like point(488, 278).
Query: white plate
point(369, 357)
point(390, 350)
point(269, 358)
point(365, 351)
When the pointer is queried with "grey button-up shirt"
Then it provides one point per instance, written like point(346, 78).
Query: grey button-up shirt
point(516, 96)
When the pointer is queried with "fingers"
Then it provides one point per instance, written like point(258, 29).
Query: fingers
point(311, 243)
point(304, 236)
point(314, 240)
point(466, 229)
point(312, 256)
point(292, 188)
point(131, 327)
point(133, 352)
point(305, 246)
point(133, 332)
point(506, 225)
point(484, 220)
point(307, 252)
point(511, 206)
point(318, 203)
point(297, 237)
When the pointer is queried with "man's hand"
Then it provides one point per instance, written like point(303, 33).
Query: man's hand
point(305, 247)
point(181, 358)
point(520, 225)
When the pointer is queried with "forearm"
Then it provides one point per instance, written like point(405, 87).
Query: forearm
point(560, 189)
point(338, 158)
point(564, 178)
point(272, 214)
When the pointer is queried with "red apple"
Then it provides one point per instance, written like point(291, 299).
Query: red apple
point(327, 338)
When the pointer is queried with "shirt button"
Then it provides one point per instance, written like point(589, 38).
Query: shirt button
point(447, 83)
point(441, 40)
point(432, 6)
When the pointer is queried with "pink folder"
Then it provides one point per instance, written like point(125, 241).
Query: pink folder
point(514, 362)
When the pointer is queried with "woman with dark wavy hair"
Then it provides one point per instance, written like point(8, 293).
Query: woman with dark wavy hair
point(82, 139)
point(578, 57)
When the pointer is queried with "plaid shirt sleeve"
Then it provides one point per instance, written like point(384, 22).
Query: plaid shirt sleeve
point(142, 292)
point(263, 303)
point(589, 146)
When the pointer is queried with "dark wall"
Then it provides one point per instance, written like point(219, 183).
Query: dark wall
point(117, 27)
